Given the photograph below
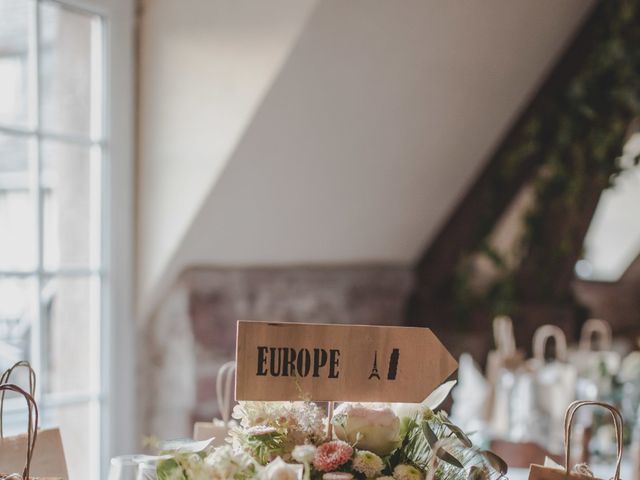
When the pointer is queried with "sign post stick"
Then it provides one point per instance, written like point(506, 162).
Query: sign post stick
point(330, 406)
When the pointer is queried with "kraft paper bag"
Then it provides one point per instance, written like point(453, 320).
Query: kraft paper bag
point(539, 472)
point(48, 456)
point(23, 471)
point(218, 429)
point(549, 471)
point(47, 459)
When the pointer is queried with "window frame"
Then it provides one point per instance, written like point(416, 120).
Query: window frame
point(117, 329)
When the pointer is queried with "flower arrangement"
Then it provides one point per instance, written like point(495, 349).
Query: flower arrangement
point(292, 441)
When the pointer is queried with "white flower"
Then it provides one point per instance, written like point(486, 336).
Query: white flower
point(371, 428)
point(288, 423)
point(367, 463)
point(407, 472)
point(278, 469)
point(224, 462)
point(303, 453)
point(306, 418)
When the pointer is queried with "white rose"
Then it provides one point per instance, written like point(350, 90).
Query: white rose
point(278, 469)
point(376, 429)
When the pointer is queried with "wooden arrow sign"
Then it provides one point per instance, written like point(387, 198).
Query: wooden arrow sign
point(291, 361)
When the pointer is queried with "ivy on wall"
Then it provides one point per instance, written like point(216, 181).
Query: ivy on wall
point(576, 133)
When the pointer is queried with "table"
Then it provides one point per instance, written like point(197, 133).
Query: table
point(604, 471)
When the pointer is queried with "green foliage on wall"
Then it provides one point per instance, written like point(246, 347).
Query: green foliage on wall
point(576, 134)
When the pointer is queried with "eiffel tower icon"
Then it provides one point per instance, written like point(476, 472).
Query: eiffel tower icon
point(374, 371)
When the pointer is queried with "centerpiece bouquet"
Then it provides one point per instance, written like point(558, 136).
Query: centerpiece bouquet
point(296, 441)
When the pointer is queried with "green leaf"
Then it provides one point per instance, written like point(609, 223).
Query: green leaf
point(477, 473)
point(457, 431)
point(440, 452)
point(430, 435)
point(439, 395)
point(415, 447)
point(495, 461)
point(165, 469)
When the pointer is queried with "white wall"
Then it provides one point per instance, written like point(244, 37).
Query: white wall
point(204, 68)
point(369, 134)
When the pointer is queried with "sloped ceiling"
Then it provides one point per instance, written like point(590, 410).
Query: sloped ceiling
point(366, 138)
point(204, 67)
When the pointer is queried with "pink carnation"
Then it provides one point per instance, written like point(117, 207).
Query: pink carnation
point(331, 455)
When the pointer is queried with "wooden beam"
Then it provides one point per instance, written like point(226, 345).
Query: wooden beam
point(495, 188)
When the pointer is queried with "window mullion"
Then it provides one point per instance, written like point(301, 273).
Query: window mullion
point(74, 139)
point(63, 272)
point(37, 356)
point(16, 405)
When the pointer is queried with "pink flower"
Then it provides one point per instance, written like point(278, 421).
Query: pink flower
point(331, 455)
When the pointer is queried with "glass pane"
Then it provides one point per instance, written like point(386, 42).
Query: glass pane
point(18, 308)
point(70, 317)
point(78, 427)
point(16, 56)
point(70, 70)
point(613, 240)
point(17, 205)
point(71, 199)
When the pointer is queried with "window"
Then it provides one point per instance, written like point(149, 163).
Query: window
point(612, 242)
point(59, 215)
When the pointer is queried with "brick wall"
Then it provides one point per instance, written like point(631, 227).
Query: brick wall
point(193, 331)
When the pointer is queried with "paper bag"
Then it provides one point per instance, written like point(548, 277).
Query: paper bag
point(596, 363)
point(539, 472)
point(505, 355)
point(555, 382)
point(48, 458)
point(543, 472)
point(521, 419)
point(219, 429)
point(6, 471)
point(529, 401)
point(502, 364)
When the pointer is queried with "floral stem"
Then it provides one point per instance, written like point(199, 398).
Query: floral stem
point(329, 418)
